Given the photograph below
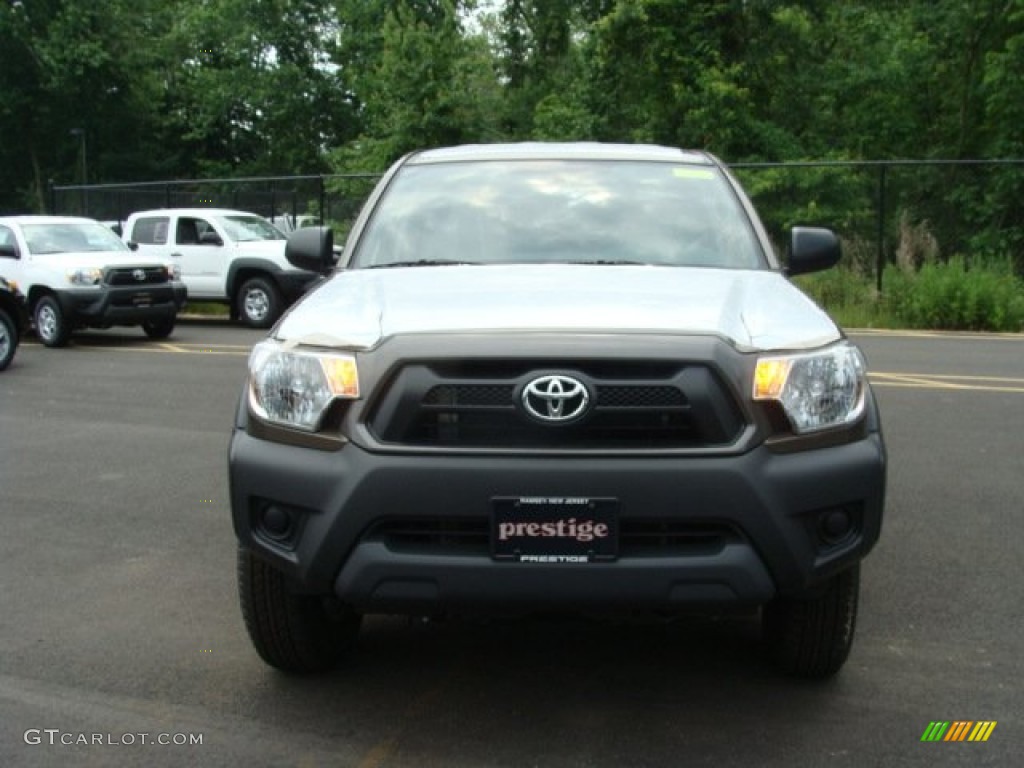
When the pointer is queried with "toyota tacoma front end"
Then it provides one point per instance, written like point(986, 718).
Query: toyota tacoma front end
point(556, 377)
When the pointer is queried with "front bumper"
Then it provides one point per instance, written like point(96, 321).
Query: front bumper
point(769, 506)
point(123, 305)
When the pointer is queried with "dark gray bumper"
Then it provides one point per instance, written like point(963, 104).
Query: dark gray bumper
point(771, 503)
point(116, 305)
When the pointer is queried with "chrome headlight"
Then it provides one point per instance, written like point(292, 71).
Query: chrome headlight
point(90, 276)
point(293, 387)
point(173, 272)
point(817, 390)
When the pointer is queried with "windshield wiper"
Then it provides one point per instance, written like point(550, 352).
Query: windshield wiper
point(421, 263)
point(613, 262)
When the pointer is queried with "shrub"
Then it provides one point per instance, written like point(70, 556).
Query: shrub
point(982, 296)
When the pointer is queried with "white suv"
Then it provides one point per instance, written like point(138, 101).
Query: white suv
point(225, 255)
point(77, 273)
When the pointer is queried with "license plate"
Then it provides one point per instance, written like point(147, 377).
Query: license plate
point(544, 529)
point(142, 300)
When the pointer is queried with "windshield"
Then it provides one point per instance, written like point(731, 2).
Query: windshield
point(71, 237)
point(248, 228)
point(604, 212)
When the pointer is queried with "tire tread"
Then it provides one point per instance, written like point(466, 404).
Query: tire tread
point(293, 633)
point(811, 637)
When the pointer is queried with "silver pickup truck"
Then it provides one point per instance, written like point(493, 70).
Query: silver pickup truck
point(556, 377)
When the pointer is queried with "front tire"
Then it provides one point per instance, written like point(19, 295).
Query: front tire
point(258, 302)
point(52, 327)
point(8, 339)
point(158, 329)
point(293, 632)
point(810, 637)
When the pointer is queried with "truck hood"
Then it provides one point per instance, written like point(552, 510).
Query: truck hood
point(753, 310)
point(97, 259)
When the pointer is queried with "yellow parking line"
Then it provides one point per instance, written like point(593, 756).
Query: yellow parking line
point(939, 335)
point(961, 377)
point(947, 381)
point(916, 381)
point(175, 349)
point(207, 347)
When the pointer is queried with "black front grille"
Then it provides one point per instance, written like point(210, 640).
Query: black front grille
point(470, 395)
point(471, 536)
point(130, 276)
point(639, 396)
point(479, 404)
point(440, 536)
point(653, 538)
point(145, 296)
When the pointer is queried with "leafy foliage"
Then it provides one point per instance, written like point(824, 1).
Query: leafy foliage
point(983, 296)
point(986, 296)
point(160, 89)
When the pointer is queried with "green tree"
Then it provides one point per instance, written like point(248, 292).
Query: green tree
point(538, 46)
point(422, 82)
point(69, 64)
point(251, 88)
point(666, 72)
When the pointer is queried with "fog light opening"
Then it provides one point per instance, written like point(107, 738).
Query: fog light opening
point(834, 526)
point(278, 524)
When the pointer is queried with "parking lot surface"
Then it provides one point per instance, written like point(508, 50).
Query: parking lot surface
point(119, 626)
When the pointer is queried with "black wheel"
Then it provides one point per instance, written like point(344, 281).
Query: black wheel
point(158, 329)
point(292, 632)
point(51, 327)
point(258, 302)
point(8, 339)
point(811, 637)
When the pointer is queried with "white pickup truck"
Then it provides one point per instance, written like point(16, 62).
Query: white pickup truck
point(226, 256)
point(76, 273)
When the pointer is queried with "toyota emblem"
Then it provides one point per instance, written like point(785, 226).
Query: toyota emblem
point(139, 275)
point(555, 399)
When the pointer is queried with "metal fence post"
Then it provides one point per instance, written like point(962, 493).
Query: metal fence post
point(880, 265)
point(324, 213)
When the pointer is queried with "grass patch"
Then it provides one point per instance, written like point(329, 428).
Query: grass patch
point(850, 298)
point(984, 295)
point(206, 308)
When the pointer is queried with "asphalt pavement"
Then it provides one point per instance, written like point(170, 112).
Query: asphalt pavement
point(119, 625)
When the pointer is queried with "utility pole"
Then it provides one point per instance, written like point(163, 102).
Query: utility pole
point(80, 133)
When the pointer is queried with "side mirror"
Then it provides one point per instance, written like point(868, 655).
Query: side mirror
point(8, 251)
point(812, 249)
point(210, 238)
point(311, 248)
point(132, 245)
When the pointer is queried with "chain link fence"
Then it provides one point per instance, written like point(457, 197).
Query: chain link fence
point(886, 211)
point(906, 211)
point(333, 199)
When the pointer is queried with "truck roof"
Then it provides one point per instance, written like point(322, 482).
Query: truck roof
point(560, 151)
point(194, 212)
